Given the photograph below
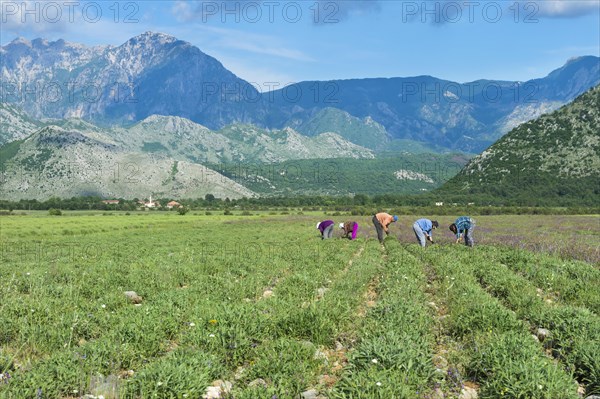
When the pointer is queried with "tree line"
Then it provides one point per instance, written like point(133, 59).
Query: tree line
point(358, 204)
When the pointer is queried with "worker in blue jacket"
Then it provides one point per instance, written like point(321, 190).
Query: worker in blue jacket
point(463, 226)
point(423, 230)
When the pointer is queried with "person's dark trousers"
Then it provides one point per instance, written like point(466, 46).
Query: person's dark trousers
point(379, 229)
point(469, 237)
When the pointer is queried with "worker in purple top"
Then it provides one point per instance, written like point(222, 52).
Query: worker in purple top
point(326, 228)
point(350, 229)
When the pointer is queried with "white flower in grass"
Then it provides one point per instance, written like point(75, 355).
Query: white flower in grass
point(378, 383)
point(32, 310)
point(29, 274)
point(103, 306)
point(374, 361)
point(192, 324)
point(211, 335)
point(159, 383)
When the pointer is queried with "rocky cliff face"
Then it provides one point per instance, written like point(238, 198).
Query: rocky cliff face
point(158, 74)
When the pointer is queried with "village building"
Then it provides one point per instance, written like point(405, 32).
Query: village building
point(174, 204)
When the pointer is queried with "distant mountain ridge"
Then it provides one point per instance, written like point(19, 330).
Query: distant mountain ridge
point(467, 117)
point(173, 156)
point(154, 73)
point(553, 159)
point(161, 155)
point(54, 162)
point(185, 140)
point(366, 132)
point(15, 124)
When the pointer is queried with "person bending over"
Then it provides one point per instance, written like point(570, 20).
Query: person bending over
point(382, 221)
point(326, 229)
point(350, 229)
point(463, 226)
point(423, 230)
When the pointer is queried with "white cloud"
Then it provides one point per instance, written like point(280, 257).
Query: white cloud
point(230, 10)
point(88, 22)
point(442, 12)
point(567, 8)
point(224, 38)
point(22, 17)
point(183, 11)
point(319, 12)
point(263, 79)
point(261, 48)
point(341, 10)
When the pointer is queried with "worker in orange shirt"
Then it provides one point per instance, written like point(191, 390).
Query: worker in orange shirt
point(382, 221)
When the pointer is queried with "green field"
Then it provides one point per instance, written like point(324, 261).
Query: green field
point(266, 307)
point(334, 177)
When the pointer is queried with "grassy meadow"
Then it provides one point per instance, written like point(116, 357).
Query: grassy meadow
point(253, 307)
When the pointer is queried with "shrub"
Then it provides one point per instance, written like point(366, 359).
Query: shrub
point(54, 212)
point(183, 210)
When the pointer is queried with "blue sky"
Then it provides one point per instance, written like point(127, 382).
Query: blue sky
point(266, 41)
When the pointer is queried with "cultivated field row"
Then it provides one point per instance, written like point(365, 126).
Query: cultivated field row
point(265, 309)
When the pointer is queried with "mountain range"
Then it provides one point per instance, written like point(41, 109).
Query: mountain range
point(157, 74)
point(156, 116)
point(175, 157)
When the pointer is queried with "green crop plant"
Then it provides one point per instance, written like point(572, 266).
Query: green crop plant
point(264, 303)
